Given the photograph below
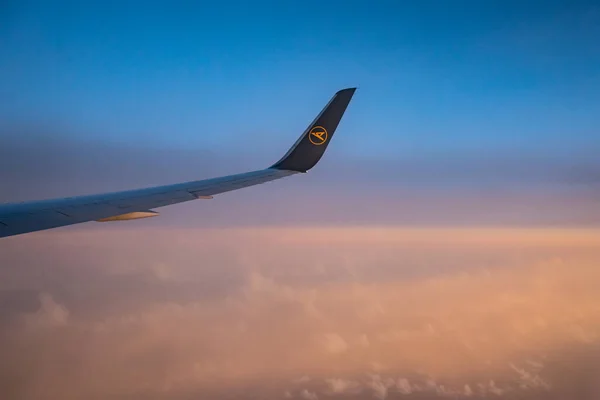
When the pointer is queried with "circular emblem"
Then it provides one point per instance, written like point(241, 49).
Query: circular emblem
point(317, 135)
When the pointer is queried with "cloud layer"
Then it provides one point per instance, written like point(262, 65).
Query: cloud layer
point(307, 313)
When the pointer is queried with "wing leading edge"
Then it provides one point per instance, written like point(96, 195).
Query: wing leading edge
point(19, 218)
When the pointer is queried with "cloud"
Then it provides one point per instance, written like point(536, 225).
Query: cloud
point(305, 394)
point(531, 379)
point(50, 313)
point(403, 386)
point(334, 343)
point(468, 391)
point(340, 386)
point(252, 313)
point(380, 386)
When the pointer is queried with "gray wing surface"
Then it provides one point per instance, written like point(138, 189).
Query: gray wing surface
point(19, 218)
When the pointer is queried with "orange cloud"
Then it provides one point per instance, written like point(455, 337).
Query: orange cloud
point(317, 312)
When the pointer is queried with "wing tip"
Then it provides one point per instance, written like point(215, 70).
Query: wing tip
point(308, 150)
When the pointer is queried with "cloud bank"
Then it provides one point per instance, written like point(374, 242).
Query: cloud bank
point(311, 313)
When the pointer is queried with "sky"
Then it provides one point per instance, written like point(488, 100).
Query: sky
point(433, 76)
point(464, 100)
point(444, 247)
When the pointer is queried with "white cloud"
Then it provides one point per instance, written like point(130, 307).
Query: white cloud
point(341, 386)
point(380, 386)
point(530, 380)
point(49, 314)
point(492, 388)
point(468, 391)
point(334, 343)
point(307, 395)
point(403, 386)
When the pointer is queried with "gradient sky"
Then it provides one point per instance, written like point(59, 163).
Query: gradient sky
point(468, 111)
point(434, 76)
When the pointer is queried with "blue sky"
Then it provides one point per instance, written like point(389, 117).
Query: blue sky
point(433, 76)
point(467, 111)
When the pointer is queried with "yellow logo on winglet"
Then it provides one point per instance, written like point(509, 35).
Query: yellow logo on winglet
point(317, 135)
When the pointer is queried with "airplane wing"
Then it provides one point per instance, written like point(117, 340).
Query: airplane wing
point(18, 218)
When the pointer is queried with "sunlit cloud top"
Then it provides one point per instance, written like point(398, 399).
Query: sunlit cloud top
point(301, 313)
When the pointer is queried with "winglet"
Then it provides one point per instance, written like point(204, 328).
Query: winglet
point(310, 147)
